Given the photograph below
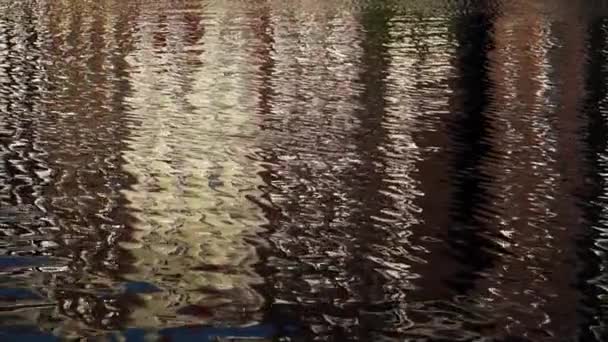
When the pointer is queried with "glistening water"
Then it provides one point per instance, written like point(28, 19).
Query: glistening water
point(303, 170)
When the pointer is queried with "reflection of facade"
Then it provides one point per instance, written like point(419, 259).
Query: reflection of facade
point(83, 134)
point(448, 246)
point(592, 245)
point(22, 170)
point(524, 170)
point(192, 114)
point(307, 147)
point(540, 161)
point(65, 161)
point(343, 180)
point(508, 171)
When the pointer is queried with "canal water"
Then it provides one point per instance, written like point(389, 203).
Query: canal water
point(303, 170)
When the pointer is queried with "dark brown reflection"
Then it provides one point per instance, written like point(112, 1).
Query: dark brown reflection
point(373, 261)
point(62, 171)
point(571, 36)
point(525, 139)
point(340, 167)
point(83, 129)
point(471, 133)
point(23, 235)
point(455, 135)
point(525, 176)
point(310, 93)
point(592, 243)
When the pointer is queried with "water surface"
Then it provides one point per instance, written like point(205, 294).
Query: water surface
point(303, 170)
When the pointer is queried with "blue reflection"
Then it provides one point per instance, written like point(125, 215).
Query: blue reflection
point(25, 334)
point(190, 333)
point(203, 334)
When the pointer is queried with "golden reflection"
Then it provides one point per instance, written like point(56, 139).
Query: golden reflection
point(193, 117)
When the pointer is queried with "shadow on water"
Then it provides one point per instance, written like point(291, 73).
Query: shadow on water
point(592, 247)
point(470, 135)
point(367, 185)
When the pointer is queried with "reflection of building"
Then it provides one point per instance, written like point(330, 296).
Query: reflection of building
point(23, 171)
point(509, 140)
point(82, 131)
point(343, 185)
point(307, 148)
point(524, 173)
point(187, 153)
point(193, 129)
point(592, 244)
point(539, 161)
point(65, 156)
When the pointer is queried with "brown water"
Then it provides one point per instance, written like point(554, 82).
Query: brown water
point(303, 170)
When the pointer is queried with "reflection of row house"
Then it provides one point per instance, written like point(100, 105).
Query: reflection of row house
point(71, 158)
point(527, 281)
point(307, 145)
point(191, 212)
point(83, 130)
point(419, 94)
point(66, 157)
point(422, 77)
point(544, 156)
point(192, 130)
point(498, 148)
point(22, 170)
point(367, 177)
point(349, 93)
point(525, 177)
point(593, 241)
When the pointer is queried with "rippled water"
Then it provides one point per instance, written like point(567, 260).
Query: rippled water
point(304, 170)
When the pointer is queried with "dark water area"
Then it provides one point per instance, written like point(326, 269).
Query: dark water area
point(303, 170)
